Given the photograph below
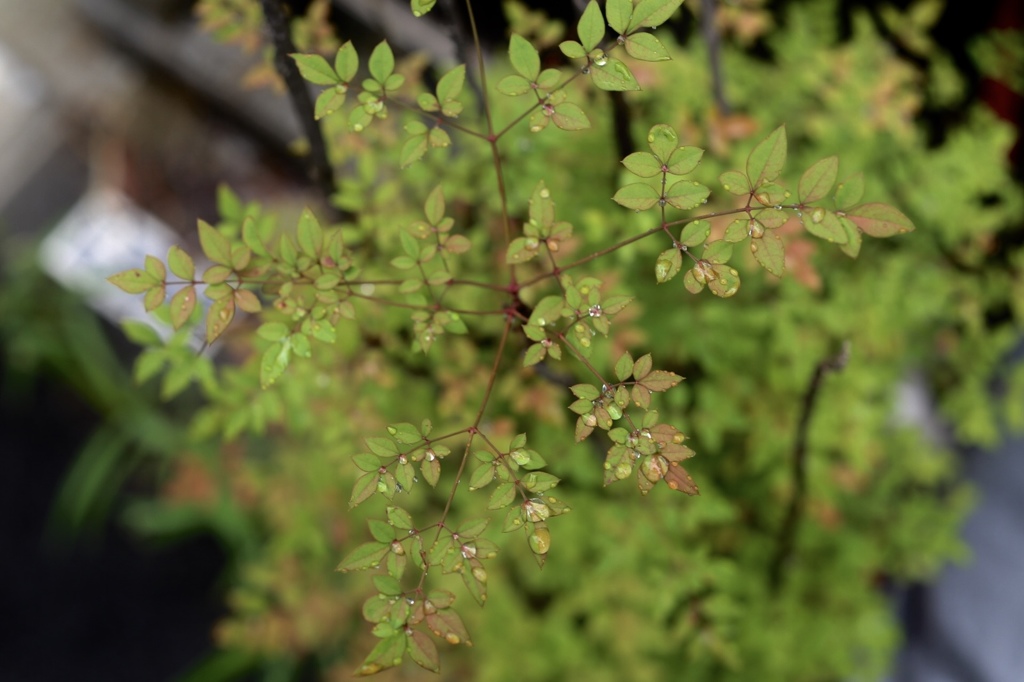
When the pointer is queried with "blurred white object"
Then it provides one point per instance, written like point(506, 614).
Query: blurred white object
point(105, 233)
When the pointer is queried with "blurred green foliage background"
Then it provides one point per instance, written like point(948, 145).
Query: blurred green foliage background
point(635, 587)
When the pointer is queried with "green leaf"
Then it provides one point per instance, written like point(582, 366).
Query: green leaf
point(637, 196)
point(771, 218)
point(364, 488)
point(427, 102)
point(652, 13)
point(770, 253)
point(182, 305)
point(399, 518)
point(660, 380)
point(569, 116)
point(471, 528)
point(438, 137)
point(687, 194)
point(717, 252)
point(309, 234)
point(251, 237)
point(422, 649)
point(737, 231)
point(273, 363)
point(315, 69)
point(590, 28)
point(850, 191)
point(366, 461)
point(853, 238)
point(825, 225)
point(692, 284)
point(522, 249)
point(624, 366)
point(221, 312)
point(215, 245)
point(482, 476)
point(450, 85)
point(645, 47)
point(534, 354)
point(514, 85)
point(695, 233)
point(524, 57)
point(644, 164)
point(613, 76)
point(366, 555)
point(346, 62)
point(539, 481)
point(273, 331)
point(880, 220)
point(735, 182)
point(572, 49)
point(410, 244)
point(817, 181)
point(618, 13)
point(542, 208)
point(502, 495)
point(413, 150)
point(726, 282)
point(668, 264)
point(329, 101)
point(767, 159)
point(134, 281)
point(431, 470)
point(684, 160)
point(447, 624)
point(140, 333)
point(663, 141)
point(381, 62)
point(155, 267)
point(476, 586)
point(382, 531)
point(433, 207)
point(547, 311)
point(419, 8)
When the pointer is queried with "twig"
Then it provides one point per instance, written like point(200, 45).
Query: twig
point(710, 32)
point(787, 532)
point(319, 167)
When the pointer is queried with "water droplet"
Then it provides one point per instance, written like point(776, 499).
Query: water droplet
point(536, 129)
point(544, 193)
point(540, 541)
point(358, 127)
point(585, 70)
point(726, 187)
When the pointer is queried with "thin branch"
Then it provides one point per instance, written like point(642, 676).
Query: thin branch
point(319, 167)
point(791, 522)
point(713, 40)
